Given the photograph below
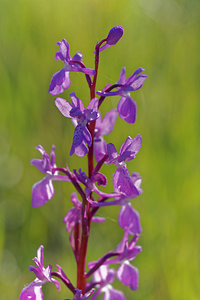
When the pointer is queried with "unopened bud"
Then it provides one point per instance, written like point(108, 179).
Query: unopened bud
point(115, 35)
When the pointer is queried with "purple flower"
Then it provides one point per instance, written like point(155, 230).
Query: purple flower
point(74, 214)
point(113, 37)
point(126, 184)
point(128, 150)
point(104, 277)
point(61, 80)
point(127, 250)
point(103, 127)
point(127, 106)
point(126, 273)
point(43, 190)
point(129, 219)
point(80, 117)
point(43, 275)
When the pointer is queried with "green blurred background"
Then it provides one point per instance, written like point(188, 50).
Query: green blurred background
point(162, 37)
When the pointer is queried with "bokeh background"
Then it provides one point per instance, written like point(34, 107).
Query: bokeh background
point(162, 37)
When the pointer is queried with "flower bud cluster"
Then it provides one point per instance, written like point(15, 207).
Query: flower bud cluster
point(93, 278)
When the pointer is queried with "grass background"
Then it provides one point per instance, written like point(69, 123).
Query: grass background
point(162, 37)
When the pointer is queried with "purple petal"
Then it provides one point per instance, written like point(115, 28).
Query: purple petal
point(77, 103)
point(104, 275)
point(106, 125)
point(59, 56)
point(132, 78)
point(59, 82)
point(86, 135)
point(129, 219)
point(64, 50)
point(122, 78)
point(130, 148)
point(41, 273)
point(38, 272)
point(40, 149)
point(81, 137)
point(80, 150)
point(42, 191)
point(132, 253)
point(128, 275)
point(32, 291)
point(78, 56)
point(112, 294)
point(127, 109)
point(92, 112)
point(38, 163)
point(100, 179)
point(66, 82)
point(98, 127)
point(100, 148)
point(128, 250)
point(43, 165)
point(112, 153)
point(39, 259)
point(40, 254)
point(63, 106)
point(123, 183)
point(137, 181)
point(138, 82)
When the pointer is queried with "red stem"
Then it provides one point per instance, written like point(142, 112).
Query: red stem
point(86, 215)
point(77, 240)
point(86, 218)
